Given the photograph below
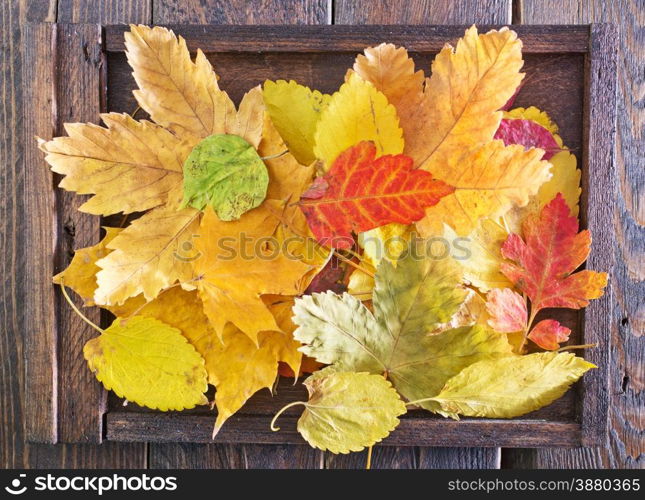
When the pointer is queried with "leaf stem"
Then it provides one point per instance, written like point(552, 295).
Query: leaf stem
point(581, 346)
point(273, 157)
point(368, 465)
point(76, 309)
point(417, 401)
point(354, 264)
point(281, 411)
point(529, 324)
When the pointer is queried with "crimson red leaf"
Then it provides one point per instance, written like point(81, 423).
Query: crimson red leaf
point(529, 134)
point(363, 192)
point(549, 333)
point(543, 262)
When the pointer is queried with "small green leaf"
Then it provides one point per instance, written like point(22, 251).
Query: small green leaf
point(226, 172)
point(348, 411)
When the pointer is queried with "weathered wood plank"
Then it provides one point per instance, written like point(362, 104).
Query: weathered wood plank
point(459, 458)
point(253, 429)
point(352, 39)
point(40, 332)
point(626, 437)
point(238, 12)
point(242, 12)
point(422, 12)
point(104, 11)
point(77, 93)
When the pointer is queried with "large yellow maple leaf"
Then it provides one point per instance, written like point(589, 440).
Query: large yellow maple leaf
point(238, 262)
point(456, 110)
point(183, 95)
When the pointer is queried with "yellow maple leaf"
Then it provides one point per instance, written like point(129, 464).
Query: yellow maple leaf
point(239, 262)
point(80, 275)
point(455, 111)
point(183, 95)
point(295, 111)
point(129, 166)
point(357, 112)
point(487, 184)
point(152, 253)
point(148, 362)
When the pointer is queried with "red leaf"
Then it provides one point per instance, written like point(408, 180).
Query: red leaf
point(529, 134)
point(507, 310)
point(544, 261)
point(364, 192)
point(329, 278)
point(549, 333)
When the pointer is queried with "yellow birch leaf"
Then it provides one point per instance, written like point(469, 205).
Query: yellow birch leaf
point(481, 264)
point(239, 262)
point(348, 411)
point(80, 275)
point(538, 116)
point(487, 184)
point(235, 365)
point(511, 386)
point(154, 252)
point(183, 95)
point(295, 110)
point(148, 362)
point(357, 112)
point(128, 166)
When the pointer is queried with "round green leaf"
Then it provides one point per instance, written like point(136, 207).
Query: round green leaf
point(148, 362)
point(348, 411)
point(225, 171)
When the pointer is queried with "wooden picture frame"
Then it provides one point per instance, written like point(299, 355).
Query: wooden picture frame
point(74, 72)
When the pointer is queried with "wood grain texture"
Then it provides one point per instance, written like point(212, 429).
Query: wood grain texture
point(14, 245)
point(242, 12)
point(104, 11)
point(308, 40)
point(422, 12)
point(40, 335)
point(625, 446)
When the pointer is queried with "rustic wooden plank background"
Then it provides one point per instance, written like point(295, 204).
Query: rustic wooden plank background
point(625, 447)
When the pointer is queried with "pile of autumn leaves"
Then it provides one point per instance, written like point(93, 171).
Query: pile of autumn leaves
point(295, 181)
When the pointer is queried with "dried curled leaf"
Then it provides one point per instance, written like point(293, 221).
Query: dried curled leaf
point(148, 362)
point(295, 110)
point(361, 192)
point(357, 112)
point(348, 411)
point(225, 172)
point(543, 262)
point(511, 386)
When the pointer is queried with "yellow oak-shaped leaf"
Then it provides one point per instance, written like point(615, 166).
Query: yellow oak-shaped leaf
point(511, 386)
point(481, 261)
point(129, 166)
point(80, 275)
point(456, 110)
point(487, 184)
point(357, 112)
point(148, 362)
point(154, 252)
point(295, 111)
point(183, 95)
point(238, 263)
point(235, 365)
point(348, 411)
